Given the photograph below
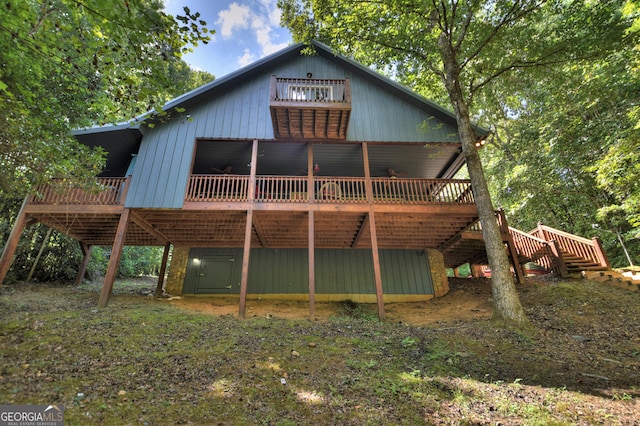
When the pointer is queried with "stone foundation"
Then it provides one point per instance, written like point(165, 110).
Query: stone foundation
point(177, 271)
point(438, 273)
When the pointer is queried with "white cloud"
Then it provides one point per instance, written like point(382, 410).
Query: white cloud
point(246, 59)
point(261, 18)
point(235, 17)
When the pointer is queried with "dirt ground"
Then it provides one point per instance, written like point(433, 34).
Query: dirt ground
point(464, 302)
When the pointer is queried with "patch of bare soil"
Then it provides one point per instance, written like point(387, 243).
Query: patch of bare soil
point(467, 300)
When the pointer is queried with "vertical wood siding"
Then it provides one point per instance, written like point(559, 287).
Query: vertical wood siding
point(285, 271)
point(163, 165)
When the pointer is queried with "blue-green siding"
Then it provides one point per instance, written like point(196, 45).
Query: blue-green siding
point(286, 271)
point(164, 160)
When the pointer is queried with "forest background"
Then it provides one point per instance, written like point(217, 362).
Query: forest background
point(564, 148)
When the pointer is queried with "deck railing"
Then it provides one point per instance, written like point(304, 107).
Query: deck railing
point(310, 90)
point(295, 189)
point(108, 192)
point(535, 249)
point(581, 247)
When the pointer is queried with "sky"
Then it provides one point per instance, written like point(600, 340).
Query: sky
point(245, 31)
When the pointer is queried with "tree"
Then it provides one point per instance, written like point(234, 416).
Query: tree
point(465, 46)
point(564, 141)
point(74, 63)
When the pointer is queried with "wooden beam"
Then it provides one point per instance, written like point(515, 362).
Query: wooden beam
point(86, 255)
point(12, 242)
point(312, 268)
point(163, 268)
point(142, 223)
point(114, 260)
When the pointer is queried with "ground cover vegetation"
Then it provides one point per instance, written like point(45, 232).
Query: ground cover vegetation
point(146, 360)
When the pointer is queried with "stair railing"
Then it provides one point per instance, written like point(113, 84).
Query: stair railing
point(539, 251)
point(584, 248)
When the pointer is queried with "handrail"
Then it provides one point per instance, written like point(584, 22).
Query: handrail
point(310, 90)
point(341, 190)
point(109, 192)
point(535, 249)
point(210, 188)
point(578, 246)
point(421, 191)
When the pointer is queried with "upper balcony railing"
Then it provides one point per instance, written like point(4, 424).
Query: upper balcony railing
point(340, 190)
point(309, 91)
point(108, 192)
point(308, 108)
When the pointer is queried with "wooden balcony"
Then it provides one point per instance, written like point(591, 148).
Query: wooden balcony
point(328, 190)
point(306, 108)
point(108, 192)
point(409, 213)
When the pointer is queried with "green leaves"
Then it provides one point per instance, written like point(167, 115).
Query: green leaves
point(69, 64)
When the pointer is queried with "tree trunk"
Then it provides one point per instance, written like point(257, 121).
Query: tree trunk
point(507, 307)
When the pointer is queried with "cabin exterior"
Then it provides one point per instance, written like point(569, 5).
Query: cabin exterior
point(299, 176)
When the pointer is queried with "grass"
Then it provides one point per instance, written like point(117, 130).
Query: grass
point(143, 361)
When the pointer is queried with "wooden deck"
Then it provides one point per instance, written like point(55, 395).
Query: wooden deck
point(409, 213)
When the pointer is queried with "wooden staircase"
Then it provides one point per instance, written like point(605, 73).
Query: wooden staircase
point(559, 252)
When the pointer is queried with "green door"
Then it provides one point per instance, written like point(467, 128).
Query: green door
point(214, 274)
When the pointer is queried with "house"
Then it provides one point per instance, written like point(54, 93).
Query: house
point(299, 176)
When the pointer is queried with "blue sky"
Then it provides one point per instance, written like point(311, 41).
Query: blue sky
point(246, 30)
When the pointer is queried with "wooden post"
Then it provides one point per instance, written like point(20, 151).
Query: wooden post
point(310, 183)
point(245, 264)
point(114, 260)
point(602, 255)
point(42, 246)
point(12, 243)
point(377, 274)
point(163, 268)
point(86, 255)
point(244, 280)
point(558, 260)
point(312, 267)
point(513, 252)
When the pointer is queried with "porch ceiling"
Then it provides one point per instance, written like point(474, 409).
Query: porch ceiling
point(416, 160)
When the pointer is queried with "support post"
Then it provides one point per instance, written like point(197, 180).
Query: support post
point(39, 255)
point(245, 265)
point(86, 255)
point(513, 252)
point(312, 267)
point(12, 243)
point(558, 260)
point(163, 268)
point(244, 280)
point(602, 255)
point(377, 274)
point(114, 260)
